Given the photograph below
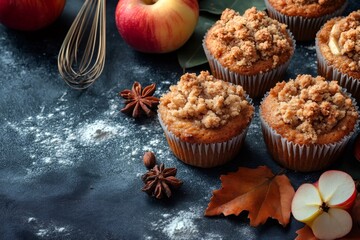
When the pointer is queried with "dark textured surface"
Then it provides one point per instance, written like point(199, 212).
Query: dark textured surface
point(70, 162)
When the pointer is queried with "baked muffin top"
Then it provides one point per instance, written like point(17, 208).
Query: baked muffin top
point(309, 110)
point(249, 43)
point(339, 42)
point(306, 8)
point(201, 105)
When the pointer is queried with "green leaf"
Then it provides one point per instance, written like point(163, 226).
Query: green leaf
point(217, 6)
point(192, 53)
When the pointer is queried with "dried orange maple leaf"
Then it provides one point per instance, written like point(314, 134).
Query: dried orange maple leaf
point(306, 233)
point(257, 191)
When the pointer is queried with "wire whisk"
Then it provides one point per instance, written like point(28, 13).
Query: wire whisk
point(81, 60)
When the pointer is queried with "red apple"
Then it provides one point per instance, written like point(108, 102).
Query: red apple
point(156, 26)
point(324, 205)
point(29, 15)
point(337, 189)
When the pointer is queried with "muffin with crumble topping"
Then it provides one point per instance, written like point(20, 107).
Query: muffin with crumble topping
point(205, 119)
point(307, 122)
point(304, 17)
point(338, 52)
point(251, 50)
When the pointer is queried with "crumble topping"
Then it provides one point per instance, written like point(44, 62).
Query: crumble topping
point(313, 106)
point(345, 39)
point(244, 40)
point(307, 2)
point(307, 8)
point(205, 99)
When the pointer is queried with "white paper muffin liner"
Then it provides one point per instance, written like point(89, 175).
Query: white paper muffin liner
point(304, 29)
point(254, 85)
point(205, 155)
point(303, 158)
point(329, 72)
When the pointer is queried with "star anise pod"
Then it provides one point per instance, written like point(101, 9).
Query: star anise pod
point(159, 181)
point(138, 99)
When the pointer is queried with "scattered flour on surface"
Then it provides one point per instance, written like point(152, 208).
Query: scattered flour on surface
point(6, 58)
point(51, 231)
point(245, 231)
point(183, 225)
point(48, 229)
point(140, 70)
point(51, 137)
point(187, 224)
point(97, 131)
point(55, 134)
point(114, 108)
point(255, 129)
point(180, 226)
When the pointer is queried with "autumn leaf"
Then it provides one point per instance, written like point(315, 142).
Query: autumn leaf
point(306, 233)
point(257, 191)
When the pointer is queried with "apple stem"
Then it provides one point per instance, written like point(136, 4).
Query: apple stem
point(324, 207)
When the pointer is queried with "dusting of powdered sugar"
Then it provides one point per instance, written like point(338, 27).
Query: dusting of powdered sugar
point(56, 134)
point(51, 146)
point(6, 58)
point(47, 229)
point(113, 108)
point(181, 226)
point(184, 225)
point(97, 132)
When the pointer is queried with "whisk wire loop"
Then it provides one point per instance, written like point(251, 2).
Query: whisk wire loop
point(81, 61)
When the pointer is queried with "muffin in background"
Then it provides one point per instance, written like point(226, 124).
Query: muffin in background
point(304, 17)
point(251, 50)
point(307, 122)
point(338, 52)
point(205, 119)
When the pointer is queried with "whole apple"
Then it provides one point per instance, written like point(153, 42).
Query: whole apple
point(156, 26)
point(30, 15)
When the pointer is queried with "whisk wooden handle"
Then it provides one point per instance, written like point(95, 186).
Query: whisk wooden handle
point(81, 60)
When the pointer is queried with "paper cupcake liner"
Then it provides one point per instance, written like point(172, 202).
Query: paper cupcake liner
point(331, 73)
point(254, 85)
point(303, 158)
point(304, 29)
point(205, 155)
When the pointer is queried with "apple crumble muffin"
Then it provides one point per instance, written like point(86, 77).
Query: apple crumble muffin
point(307, 122)
point(205, 119)
point(309, 110)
